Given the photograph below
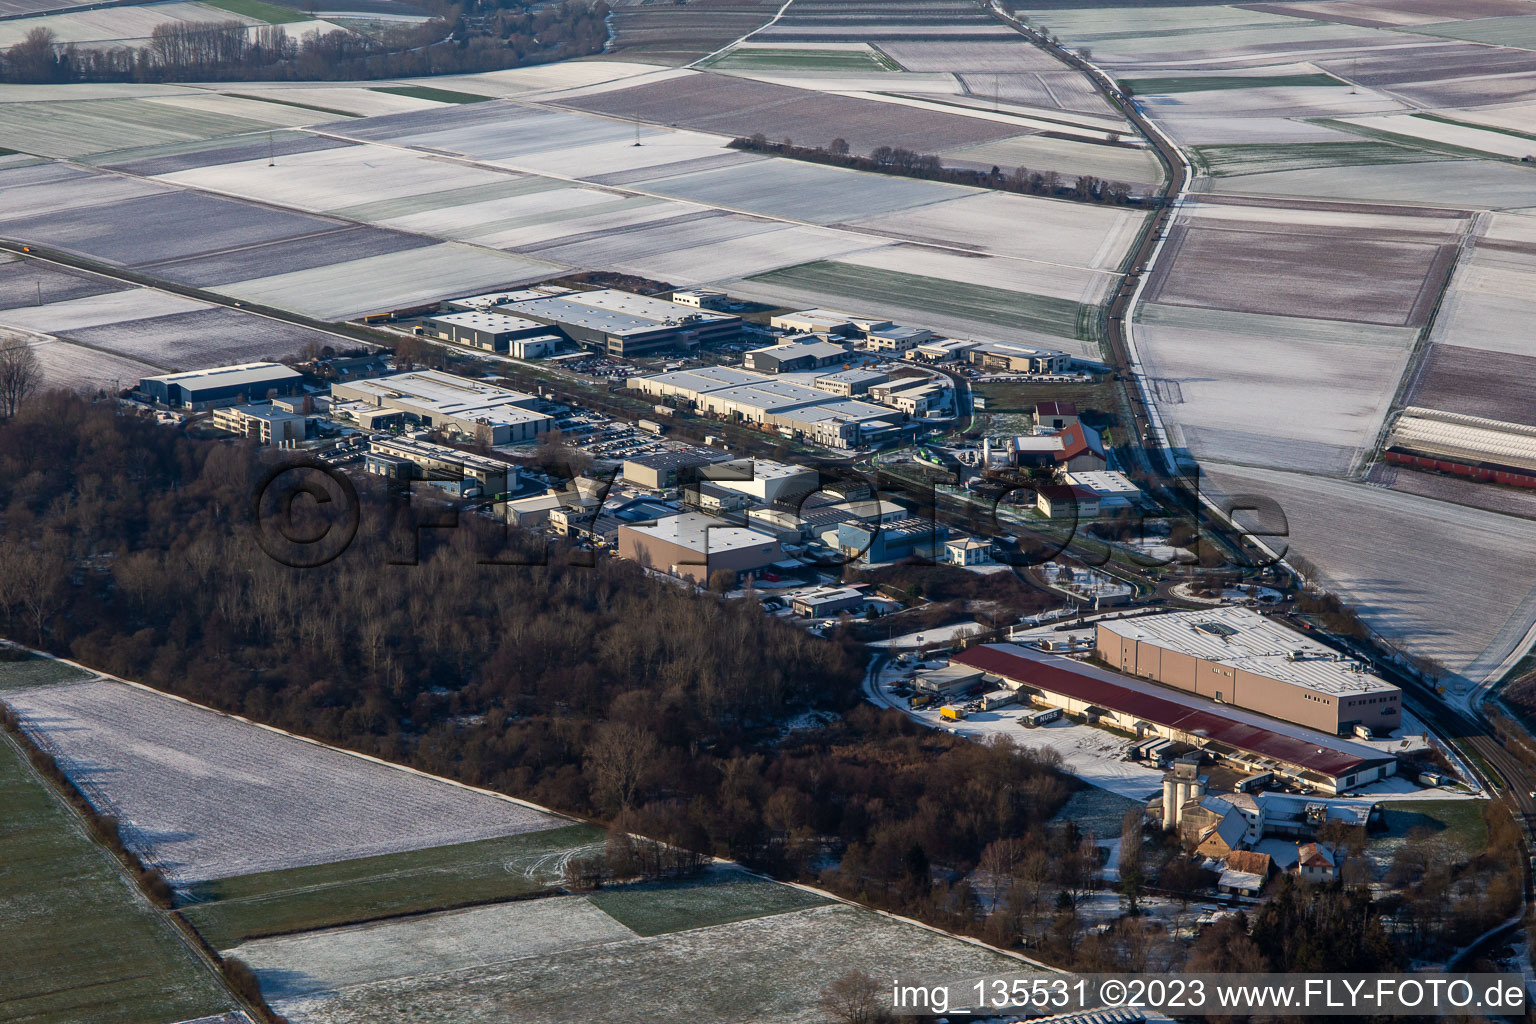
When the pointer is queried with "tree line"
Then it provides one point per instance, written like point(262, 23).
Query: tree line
point(449, 43)
point(930, 167)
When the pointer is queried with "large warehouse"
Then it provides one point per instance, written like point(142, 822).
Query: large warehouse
point(624, 324)
point(1239, 657)
point(1328, 764)
point(433, 398)
point(222, 385)
point(694, 545)
point(768, 401)
point(765, 400)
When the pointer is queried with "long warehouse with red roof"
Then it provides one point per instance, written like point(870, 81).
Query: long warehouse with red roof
point(1313, 759)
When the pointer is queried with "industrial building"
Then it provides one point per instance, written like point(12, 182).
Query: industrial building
point(1312, 760)
point(816, 321)
point(911, 396)
point(624, 324)
point(701, 298)
point(264, 424)
point(1005, 357)
point(484, 329)
point(942, 350)
point(849, 383)
point(1114, 491)
point(764, 480)
point(893, 541)
point(822, 602)
point(761, 400)
point(1063, 501)
point(432, 398)
point(468, 474)
point(1239, 657)
point(693, 546)
point(896, 338)
point(796, 356)
point(1491, 451)
point(240, 384)
point(663, 470)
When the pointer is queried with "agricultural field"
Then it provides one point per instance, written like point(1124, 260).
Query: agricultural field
point(1024, 227)
point(1097, 811)
point(1455, 138)
point(26, 282)
point(396, 280)
point(675, 34)
point(81, 945)
point(854, 60)
point(1263, 158)
point(1489, 304)
point(732, 106)
point(280, 802)
point(1512, 501)
point(1205, 83)
point(215, 336)
point(803, 191)
point(99, 310)
point(875, 288)
point(77, 368)
point(1475, 382)
point(1253, 259)
point(1067, 157)
point(19, 670)
point(1276, 391)
point(1458, 822)
point(766, 968)
point(1459, 591)
point(230, 911)
point(1474, 184)
point(1392, 13)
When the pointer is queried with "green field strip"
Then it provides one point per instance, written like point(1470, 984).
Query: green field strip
point(1210, 83)
point(1225, 161)
point(1382, 135)
point(272, 14)
point(17, 675)
point(405, 206)
point(1044, 314)
point(230, 911)
point(426, 92)
point(714, 899)
point(747, 58)
point(78, 944)
point(1459, 820)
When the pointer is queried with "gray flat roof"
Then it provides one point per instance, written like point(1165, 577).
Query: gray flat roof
point(1242, 638)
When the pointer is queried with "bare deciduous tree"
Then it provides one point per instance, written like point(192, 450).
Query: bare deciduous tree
point(617, 761)
point(20, 374)
point(854, 998)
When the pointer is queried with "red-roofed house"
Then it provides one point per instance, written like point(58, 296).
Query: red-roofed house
point(1055, 415)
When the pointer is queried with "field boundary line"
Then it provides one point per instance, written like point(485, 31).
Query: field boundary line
point(737, 42)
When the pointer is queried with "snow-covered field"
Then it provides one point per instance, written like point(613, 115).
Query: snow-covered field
point(1264, 390)
point(392, 281)
point(97, 310)
point(1067, 157)
point(1027, 227)
point(203, 795)
point(768, 969)
point(1448, 582)
point(333, 959)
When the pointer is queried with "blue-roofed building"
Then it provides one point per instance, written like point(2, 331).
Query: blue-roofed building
point(241, 384)
point(892, 542)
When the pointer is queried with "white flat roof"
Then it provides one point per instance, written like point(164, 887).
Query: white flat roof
point(224, 376)
point(1104, 482)
point(1242, 638)
point(703, 533)
point(438, 451)
point(448, 395)
point(488, 320)
point(705, 379)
